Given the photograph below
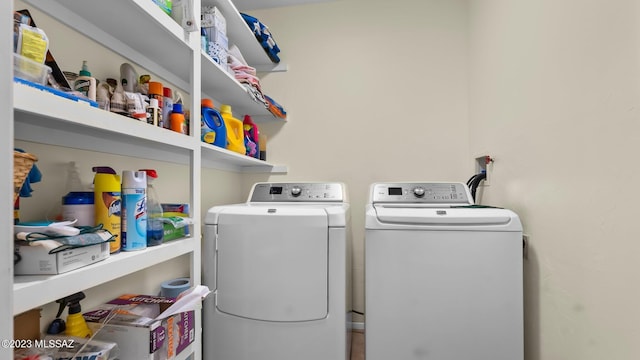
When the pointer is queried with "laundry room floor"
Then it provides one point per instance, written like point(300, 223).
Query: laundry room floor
point(357, 345)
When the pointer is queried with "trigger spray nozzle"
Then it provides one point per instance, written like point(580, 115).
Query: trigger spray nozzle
point(72, 301)
point(58, 325)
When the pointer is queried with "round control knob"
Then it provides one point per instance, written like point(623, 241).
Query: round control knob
point(296, 191)
point(418, 192)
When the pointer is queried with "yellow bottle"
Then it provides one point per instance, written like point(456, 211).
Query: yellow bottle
point(235, 130)
point(107, 203)
point(75, 324)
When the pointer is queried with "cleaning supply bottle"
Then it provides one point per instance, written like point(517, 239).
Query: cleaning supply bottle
point(177, 120)
point(167, 103)
point(212, 129)
point(128, 78)
point(107, 203)
point(155, 231)
point(251, 134)
point(84, 83)
point(155, 92)
point(154, 115)
point(134, 210)
point(75, 324)
point(235, 132)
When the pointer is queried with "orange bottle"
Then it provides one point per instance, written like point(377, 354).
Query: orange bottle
point(178, 123)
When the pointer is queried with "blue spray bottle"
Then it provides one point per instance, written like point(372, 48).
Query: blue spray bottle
point(134, 210)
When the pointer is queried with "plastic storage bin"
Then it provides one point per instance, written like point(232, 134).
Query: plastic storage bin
point(27, 69)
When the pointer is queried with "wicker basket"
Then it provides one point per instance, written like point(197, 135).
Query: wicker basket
point(22, 164)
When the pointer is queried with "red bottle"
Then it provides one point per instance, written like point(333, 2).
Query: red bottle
point(251, 133)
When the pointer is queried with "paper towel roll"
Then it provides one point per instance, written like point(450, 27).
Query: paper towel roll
point(173, 288)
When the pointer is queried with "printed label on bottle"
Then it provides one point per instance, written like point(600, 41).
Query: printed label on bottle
point(134, 219)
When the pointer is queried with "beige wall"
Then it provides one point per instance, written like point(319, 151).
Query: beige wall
point(375, 91)
point(554, 95)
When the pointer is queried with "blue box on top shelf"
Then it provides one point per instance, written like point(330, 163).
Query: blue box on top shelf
point(165, 5)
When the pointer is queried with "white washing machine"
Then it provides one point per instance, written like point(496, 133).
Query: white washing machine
point(279, 266)
point(443, 277)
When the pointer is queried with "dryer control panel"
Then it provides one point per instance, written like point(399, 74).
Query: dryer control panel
point(431, 193)
point(297, 192)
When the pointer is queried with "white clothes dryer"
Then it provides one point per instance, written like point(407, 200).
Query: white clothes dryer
point(443, 278)
point(279, 267)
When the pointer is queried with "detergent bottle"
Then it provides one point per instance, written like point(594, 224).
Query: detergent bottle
point(235, 131)
point(107, 203)
point(75, 324)
point(251, 137)
point(213, 130)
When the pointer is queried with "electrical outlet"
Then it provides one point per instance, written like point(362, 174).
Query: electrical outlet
point(484, 164)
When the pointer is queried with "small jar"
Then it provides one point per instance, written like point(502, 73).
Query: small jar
point(79, 205)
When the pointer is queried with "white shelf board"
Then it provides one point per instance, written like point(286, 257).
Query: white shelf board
point(137, 31)
point(238, 33)
point(33, 291)
point(223, 159)
point(218, 84)
point(222, 86)
point(50, 119)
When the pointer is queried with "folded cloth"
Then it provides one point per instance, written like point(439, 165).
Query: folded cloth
point(275, 108)
point(264, 37)
point(34, 176)
point(245, 74)
point(88, 236)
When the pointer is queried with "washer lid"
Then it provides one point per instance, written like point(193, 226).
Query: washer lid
point(273, 267)
point(382, 216)
point(338, 214)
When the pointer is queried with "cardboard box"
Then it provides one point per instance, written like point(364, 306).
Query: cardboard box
point(26, 326)
point(137, 332)
point(36, 260)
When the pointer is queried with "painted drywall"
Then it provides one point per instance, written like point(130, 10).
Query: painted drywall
point(375, 91)
point(553, 97)
point(554, 92)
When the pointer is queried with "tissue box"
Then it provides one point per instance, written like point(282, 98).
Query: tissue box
point(137, 333)
point(36, 260)
point(211, 17)
point(217, 45)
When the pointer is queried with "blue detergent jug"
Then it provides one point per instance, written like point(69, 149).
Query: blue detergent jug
point(213, 131)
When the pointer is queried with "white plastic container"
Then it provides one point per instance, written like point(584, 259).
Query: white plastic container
point(27, 69)
point(79, 205)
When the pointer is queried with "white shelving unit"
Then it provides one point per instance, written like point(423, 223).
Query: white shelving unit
point(39, 116)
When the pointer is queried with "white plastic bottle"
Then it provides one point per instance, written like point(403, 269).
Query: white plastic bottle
point(134, 210)
point(155, 231)
point(84, 83)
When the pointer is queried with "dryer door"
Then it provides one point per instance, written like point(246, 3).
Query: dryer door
point(273, 263)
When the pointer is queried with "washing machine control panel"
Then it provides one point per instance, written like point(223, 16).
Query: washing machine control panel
point(297, 192)
point(423, 193)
